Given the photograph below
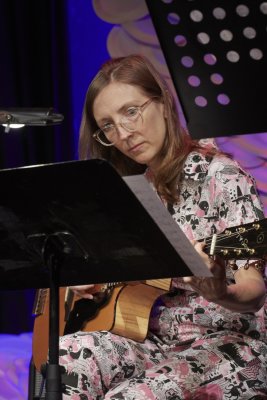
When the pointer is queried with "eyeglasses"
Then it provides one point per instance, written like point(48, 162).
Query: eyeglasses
point(108, 135)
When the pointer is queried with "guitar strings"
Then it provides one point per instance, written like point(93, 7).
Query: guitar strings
point(223, 236)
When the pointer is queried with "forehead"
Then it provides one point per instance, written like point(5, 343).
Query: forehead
point(113, 97)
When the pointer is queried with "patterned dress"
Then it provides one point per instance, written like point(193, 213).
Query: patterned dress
point(195, 349)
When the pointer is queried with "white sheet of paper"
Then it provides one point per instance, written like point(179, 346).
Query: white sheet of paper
point(153, 205)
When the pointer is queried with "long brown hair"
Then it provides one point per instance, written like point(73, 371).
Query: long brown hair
point(138, 71)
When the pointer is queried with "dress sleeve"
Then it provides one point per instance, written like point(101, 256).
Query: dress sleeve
point(236, 200)
point(234, 193)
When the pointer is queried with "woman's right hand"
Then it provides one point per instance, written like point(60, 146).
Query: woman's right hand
point(84, 291)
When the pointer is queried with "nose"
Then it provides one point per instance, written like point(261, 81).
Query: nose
point(122, 132)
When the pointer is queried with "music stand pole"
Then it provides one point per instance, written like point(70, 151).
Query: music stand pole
point(53, 250)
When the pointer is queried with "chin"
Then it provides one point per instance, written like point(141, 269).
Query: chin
point(141, 161)
point(144, 159)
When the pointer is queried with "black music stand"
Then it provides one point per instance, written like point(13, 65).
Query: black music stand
point(216, 54)
point(80, 222)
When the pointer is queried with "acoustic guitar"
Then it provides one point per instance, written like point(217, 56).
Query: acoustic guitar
point(125, 309)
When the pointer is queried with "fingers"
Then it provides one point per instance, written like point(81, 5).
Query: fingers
point(214, 263)
point(199, 246)
point(81, 287)
point(83, 294)
point(217, 267)
point(196, 283)
point(210, 288)
point(84, 291)
point(187, 279)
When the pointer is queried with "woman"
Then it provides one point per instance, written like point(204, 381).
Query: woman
point(207, 338)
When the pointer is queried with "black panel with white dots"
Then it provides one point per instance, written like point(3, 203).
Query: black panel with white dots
point(216, 52)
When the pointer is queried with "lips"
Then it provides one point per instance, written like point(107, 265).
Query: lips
point(135, 148)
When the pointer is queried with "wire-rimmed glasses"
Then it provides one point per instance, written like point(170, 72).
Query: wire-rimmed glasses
point(108, 135)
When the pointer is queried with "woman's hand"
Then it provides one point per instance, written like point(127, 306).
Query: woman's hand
point(247, 294)
point(95, 291)
point(84, 291)
point(211, 288)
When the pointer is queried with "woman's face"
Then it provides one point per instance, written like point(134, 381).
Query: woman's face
point(144, 144)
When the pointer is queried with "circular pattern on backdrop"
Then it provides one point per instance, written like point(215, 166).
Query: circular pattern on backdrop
point(120, 43)
point(118, 11)
point(142, 30)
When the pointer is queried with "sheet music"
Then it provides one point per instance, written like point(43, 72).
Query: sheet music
point(153, 205)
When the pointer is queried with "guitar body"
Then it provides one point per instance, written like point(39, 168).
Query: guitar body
point(133, 309)
point(125, 312)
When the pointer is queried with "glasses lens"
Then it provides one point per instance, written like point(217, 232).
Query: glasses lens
point(131, 123)
point(103, 138)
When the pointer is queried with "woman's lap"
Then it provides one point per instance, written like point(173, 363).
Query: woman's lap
point(102, 359)
point(218, 366)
